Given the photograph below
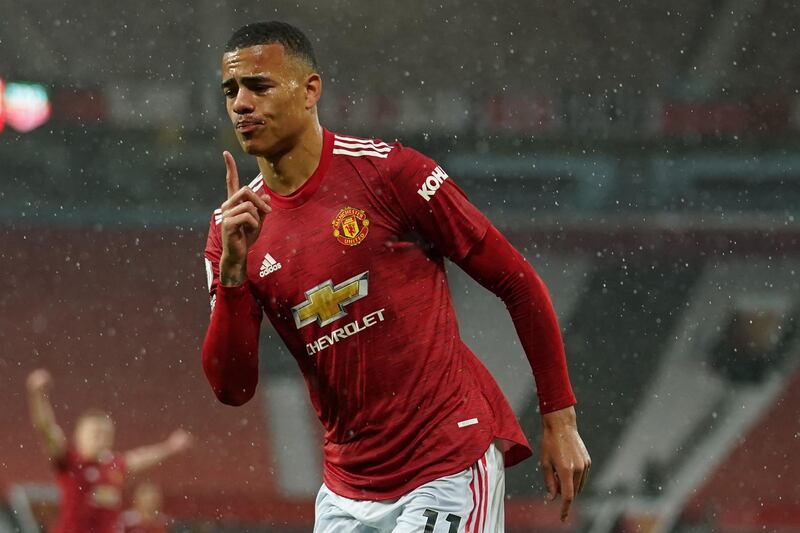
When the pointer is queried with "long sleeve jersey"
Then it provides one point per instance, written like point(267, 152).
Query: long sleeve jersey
point(350, 271)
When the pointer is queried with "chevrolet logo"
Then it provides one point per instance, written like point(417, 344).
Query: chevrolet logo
point(325, 302)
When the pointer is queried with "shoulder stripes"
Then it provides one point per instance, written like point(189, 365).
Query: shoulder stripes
point(355, 147)
point(342, 145)
point(256, 185)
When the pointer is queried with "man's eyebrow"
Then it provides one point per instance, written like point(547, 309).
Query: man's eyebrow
point(253, 78)
point(256, 78)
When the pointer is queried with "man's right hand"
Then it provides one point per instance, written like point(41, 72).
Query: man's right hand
point(179, 440)
point(242, 216)
point(42, 416)
point(39, 381)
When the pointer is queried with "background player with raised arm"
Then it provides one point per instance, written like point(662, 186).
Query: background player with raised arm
point(341, 242)
point(90, 474)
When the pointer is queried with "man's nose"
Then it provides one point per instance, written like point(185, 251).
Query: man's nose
point(243, 104)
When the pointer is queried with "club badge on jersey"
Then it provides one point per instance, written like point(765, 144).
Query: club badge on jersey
point(350, 226)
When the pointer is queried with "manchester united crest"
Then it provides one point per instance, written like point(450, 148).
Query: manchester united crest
point(350, 226)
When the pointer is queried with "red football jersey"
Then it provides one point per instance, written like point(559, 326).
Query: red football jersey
point(350, 271)
point(91, 493)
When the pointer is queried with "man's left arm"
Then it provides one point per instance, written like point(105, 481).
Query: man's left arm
point(432, 205)
point(146, 457)
point(494, 263)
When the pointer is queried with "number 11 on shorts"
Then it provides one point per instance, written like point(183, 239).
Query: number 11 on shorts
point(433, 516)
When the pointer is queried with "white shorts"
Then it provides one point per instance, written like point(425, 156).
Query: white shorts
point(470, 501)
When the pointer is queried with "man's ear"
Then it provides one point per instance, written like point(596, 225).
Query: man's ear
point(313, 90)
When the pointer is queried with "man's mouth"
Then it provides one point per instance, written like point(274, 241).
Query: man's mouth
point(248, 125)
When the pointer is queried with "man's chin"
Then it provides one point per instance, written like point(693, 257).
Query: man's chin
point(253, 147)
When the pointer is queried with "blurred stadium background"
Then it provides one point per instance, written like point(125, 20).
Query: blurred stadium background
point(644, 155)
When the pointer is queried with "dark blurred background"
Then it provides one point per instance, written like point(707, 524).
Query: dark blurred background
point(645, 156)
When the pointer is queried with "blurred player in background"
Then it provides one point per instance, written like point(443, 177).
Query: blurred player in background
point(349, 268)
point(90, 474)
point(145, 516)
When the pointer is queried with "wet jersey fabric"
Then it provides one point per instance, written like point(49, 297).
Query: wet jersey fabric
point(91, 493)
point(350, 271)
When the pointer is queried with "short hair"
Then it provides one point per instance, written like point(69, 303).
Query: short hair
point(274, 32)
point(94, 413)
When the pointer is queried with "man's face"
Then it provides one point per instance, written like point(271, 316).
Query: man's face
point(93, 436)
point(266, 97)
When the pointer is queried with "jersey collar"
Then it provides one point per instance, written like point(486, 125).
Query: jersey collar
point(307, 189)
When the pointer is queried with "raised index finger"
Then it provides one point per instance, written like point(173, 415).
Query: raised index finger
point(231, 174)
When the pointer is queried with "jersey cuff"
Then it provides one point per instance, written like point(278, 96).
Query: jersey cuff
point(549, 406)
point(232, 291)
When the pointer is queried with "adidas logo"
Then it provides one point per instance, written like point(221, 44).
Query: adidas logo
point(268, 266)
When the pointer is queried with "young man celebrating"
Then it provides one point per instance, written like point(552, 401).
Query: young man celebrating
point(90, 475)
point(341, 242)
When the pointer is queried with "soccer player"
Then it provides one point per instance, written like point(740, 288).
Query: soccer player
point(341, 242)
point(90, 475)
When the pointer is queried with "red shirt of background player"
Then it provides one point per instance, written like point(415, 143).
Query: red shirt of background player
point(91, 493)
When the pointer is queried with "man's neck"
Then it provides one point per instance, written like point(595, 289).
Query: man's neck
point(94, 457)
point(289, 171)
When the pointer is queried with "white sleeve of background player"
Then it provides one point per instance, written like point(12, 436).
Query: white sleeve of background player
point(213, 252)
point(434, 205)
point(210, 278)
